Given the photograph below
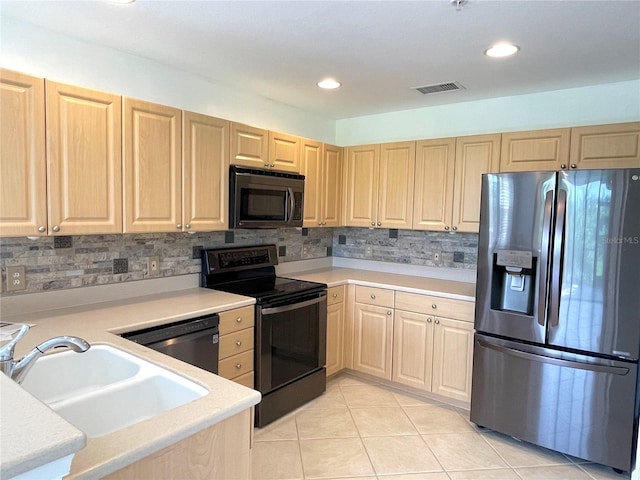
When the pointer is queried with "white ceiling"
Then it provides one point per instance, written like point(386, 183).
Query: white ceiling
point(377, 49)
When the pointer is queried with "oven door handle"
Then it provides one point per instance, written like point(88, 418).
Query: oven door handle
point(293, 306)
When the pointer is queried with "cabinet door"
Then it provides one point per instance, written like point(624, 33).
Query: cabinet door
point(539, 150)
point(433, 202)
point(205, 167)
point(475, 155)
point(373, 335)
point(152, 167)
point(249, 146)
point(452, 358)
point(332, 185)
point(412, 349)
point(361, 186)
point(84, 151)
point(23, 204)
point(335, 327)
point(606, 146)
point(396, 180)
point(284, 152)
point(313, 182)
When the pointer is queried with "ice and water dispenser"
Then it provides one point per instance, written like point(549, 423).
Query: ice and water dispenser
point(513, 281)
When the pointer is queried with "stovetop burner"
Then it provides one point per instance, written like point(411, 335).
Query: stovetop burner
point(250, 271)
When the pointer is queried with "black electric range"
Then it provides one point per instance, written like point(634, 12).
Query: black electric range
point(290, 326)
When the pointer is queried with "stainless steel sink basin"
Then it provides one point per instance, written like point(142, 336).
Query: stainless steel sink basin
point(106, 389)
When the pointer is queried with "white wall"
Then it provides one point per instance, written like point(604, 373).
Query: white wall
point(609, 103)
point(44, 53)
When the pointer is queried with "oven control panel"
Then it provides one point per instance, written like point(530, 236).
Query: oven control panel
point(240, 258)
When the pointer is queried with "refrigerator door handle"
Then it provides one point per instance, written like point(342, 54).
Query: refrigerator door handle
point(558, 236)
point(592, 367)
point(544, 259)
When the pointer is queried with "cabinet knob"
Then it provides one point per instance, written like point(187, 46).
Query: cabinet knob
point(266, 165)
point(379, 224)
point(56, 228)
point(436, 321)
point(373, 224)
point(41, 229)
point(429, 320)
point(238, 366)
point(434, 306)
point(187, 226)
point(446, 227)
point(563, 166)
point(238, 343)
point(454, 228)
point(239, 320)
point(335, 295)
point(272, 165)
point(373, 297)
point(179, 226)
point(573, 165)
point(388, 312)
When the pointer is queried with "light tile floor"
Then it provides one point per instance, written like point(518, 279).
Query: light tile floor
point(367, 431)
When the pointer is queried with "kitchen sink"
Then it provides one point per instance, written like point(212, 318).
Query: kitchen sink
point(106, 389)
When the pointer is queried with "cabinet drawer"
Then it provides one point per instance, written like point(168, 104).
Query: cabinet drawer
point(335, 295)
point(234, 320)
point(432, 305)
point(246, 380)
point(236, 342)
point(236, 365)
point(374, 296)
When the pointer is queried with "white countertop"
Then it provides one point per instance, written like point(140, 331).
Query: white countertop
point(408, 283)
point(100, 324)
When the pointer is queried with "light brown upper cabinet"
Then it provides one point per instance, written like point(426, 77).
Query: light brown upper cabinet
point(379, 185)
point(606, 146)
point(84, 153)
point(433, 202)
point(284, 152)
point(205, 170)
point(539, 150)
point(449, 179)
point(475, 155)
point(249, 146)
point(152, 167)
point(321, 167)
point(23, 207)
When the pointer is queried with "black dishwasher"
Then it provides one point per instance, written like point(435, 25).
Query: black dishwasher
point(194, 341)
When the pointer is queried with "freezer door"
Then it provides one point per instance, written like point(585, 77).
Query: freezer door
point(594, 301)
point(573, 404)
point(516, 222)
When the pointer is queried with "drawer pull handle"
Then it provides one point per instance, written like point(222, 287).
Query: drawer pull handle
point(238, 343)
point(239, 320)
point(373, 297)
point(434, 306)
point(238, 366)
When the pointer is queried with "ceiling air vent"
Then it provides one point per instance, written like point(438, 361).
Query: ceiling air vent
point(439, 88)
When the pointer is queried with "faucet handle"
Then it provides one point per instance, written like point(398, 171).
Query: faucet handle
point(6, 350)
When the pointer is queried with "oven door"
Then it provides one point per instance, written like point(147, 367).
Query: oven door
point(291, 340)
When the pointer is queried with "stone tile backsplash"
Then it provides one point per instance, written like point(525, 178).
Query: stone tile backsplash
point(55, 263)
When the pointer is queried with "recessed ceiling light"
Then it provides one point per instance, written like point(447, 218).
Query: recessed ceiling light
point(501, 50)
point(329, 84)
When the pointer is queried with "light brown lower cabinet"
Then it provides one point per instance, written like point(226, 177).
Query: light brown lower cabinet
point(220, 452)
point(335, 329)
point(236, 345)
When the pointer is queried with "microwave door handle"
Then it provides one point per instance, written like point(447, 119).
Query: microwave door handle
point(292, 205)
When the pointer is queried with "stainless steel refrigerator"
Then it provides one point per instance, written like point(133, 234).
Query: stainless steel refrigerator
point(558, 312)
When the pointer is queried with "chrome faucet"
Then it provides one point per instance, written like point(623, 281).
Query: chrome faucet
point(18, 369)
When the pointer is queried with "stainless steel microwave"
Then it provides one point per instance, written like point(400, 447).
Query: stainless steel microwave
point(264, 198)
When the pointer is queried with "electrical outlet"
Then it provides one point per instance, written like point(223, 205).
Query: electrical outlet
point(305, 250)
point(16, 279)
point(153, 266)
point(436, 257)
point(369, 251)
